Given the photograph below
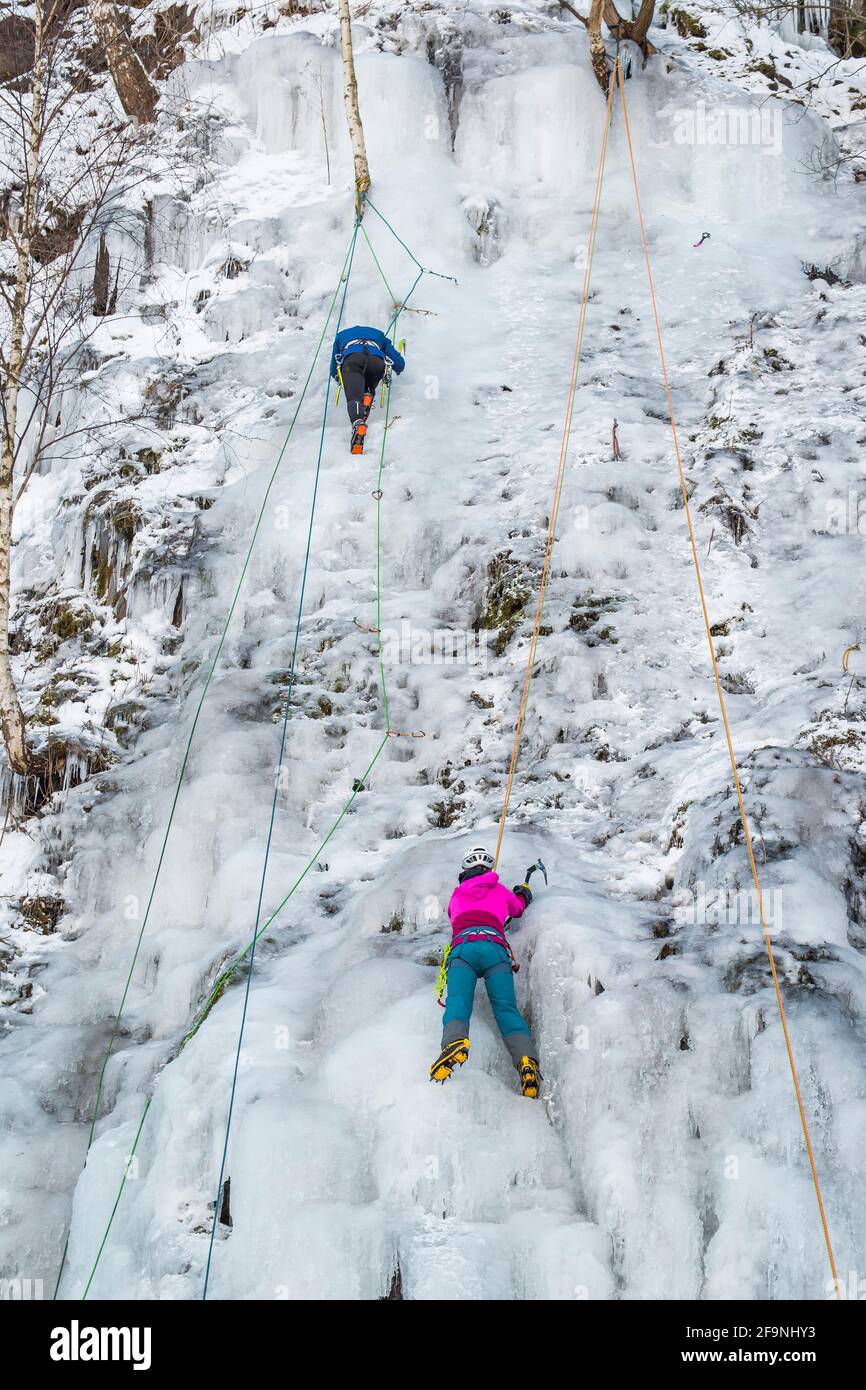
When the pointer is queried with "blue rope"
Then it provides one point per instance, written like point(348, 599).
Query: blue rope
point(189, 743)
point(275, 798)
point(399, 308)
point(250, 949)
point(284, 732)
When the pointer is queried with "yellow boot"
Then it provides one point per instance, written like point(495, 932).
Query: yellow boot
point(530, 1077)
point(454, 1055)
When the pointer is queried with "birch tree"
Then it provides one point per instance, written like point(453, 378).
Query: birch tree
point(11, 716)
point(597, 54)
point(353, 112)
point(62, 155)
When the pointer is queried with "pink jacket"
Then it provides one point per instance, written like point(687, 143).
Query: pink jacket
point(485, 903)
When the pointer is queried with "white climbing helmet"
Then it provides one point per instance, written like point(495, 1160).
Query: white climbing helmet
point(479, 857)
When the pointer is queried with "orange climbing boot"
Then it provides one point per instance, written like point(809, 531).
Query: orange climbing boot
point(530, 1077)
point(358, 434)
point(368, 402)
point(451, 1056)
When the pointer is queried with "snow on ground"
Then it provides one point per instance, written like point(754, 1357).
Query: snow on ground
point(666, 1160)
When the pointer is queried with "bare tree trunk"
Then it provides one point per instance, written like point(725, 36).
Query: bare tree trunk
point(353, 113)
point(846, 28)
point(640, 27)
point(635, 30)
point(137, 93)
point(597, 55)
point(102, 280)
point(11, 714)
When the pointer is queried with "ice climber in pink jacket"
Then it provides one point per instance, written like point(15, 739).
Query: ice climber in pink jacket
point(479, 908)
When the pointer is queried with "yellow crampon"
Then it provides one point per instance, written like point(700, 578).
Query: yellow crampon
point(530, 1077)
point(442, 977)
point(452, 1055)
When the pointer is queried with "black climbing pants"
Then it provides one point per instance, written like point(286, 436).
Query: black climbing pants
point(362, 372)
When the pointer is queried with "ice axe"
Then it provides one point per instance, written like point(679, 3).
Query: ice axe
point(538, 865)
point(386, 379)
point(531, 870)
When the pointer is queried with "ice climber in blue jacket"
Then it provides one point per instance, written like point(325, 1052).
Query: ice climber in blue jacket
point(361, 358)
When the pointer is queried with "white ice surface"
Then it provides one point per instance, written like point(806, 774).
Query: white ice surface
point(666, 1160)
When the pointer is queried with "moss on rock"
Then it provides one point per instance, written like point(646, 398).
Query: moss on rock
point(686, 25)
point(506, 594)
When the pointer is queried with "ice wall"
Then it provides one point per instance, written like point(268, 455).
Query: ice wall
point(665, 1160)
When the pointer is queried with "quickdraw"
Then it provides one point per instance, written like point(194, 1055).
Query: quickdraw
point(442, 977)
point(846, 654)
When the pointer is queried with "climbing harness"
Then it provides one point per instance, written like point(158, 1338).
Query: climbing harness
point(480, 857)
point(359, 784)
point(246, 956)
point(359, 429)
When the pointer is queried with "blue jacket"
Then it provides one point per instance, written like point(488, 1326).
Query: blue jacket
point(359, 337)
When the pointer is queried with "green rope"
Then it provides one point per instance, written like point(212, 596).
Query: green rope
point(120, 1192)
point(378, 266)
point(235, 964)
point(437, 273)
point(188, 748)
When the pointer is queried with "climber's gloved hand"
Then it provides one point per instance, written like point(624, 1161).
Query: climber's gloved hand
point(523, 890)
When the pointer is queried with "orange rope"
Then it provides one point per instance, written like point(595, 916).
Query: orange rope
point(728, 737)
point(560, 477)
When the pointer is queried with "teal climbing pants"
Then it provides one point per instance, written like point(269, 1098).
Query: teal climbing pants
point(483, 960)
